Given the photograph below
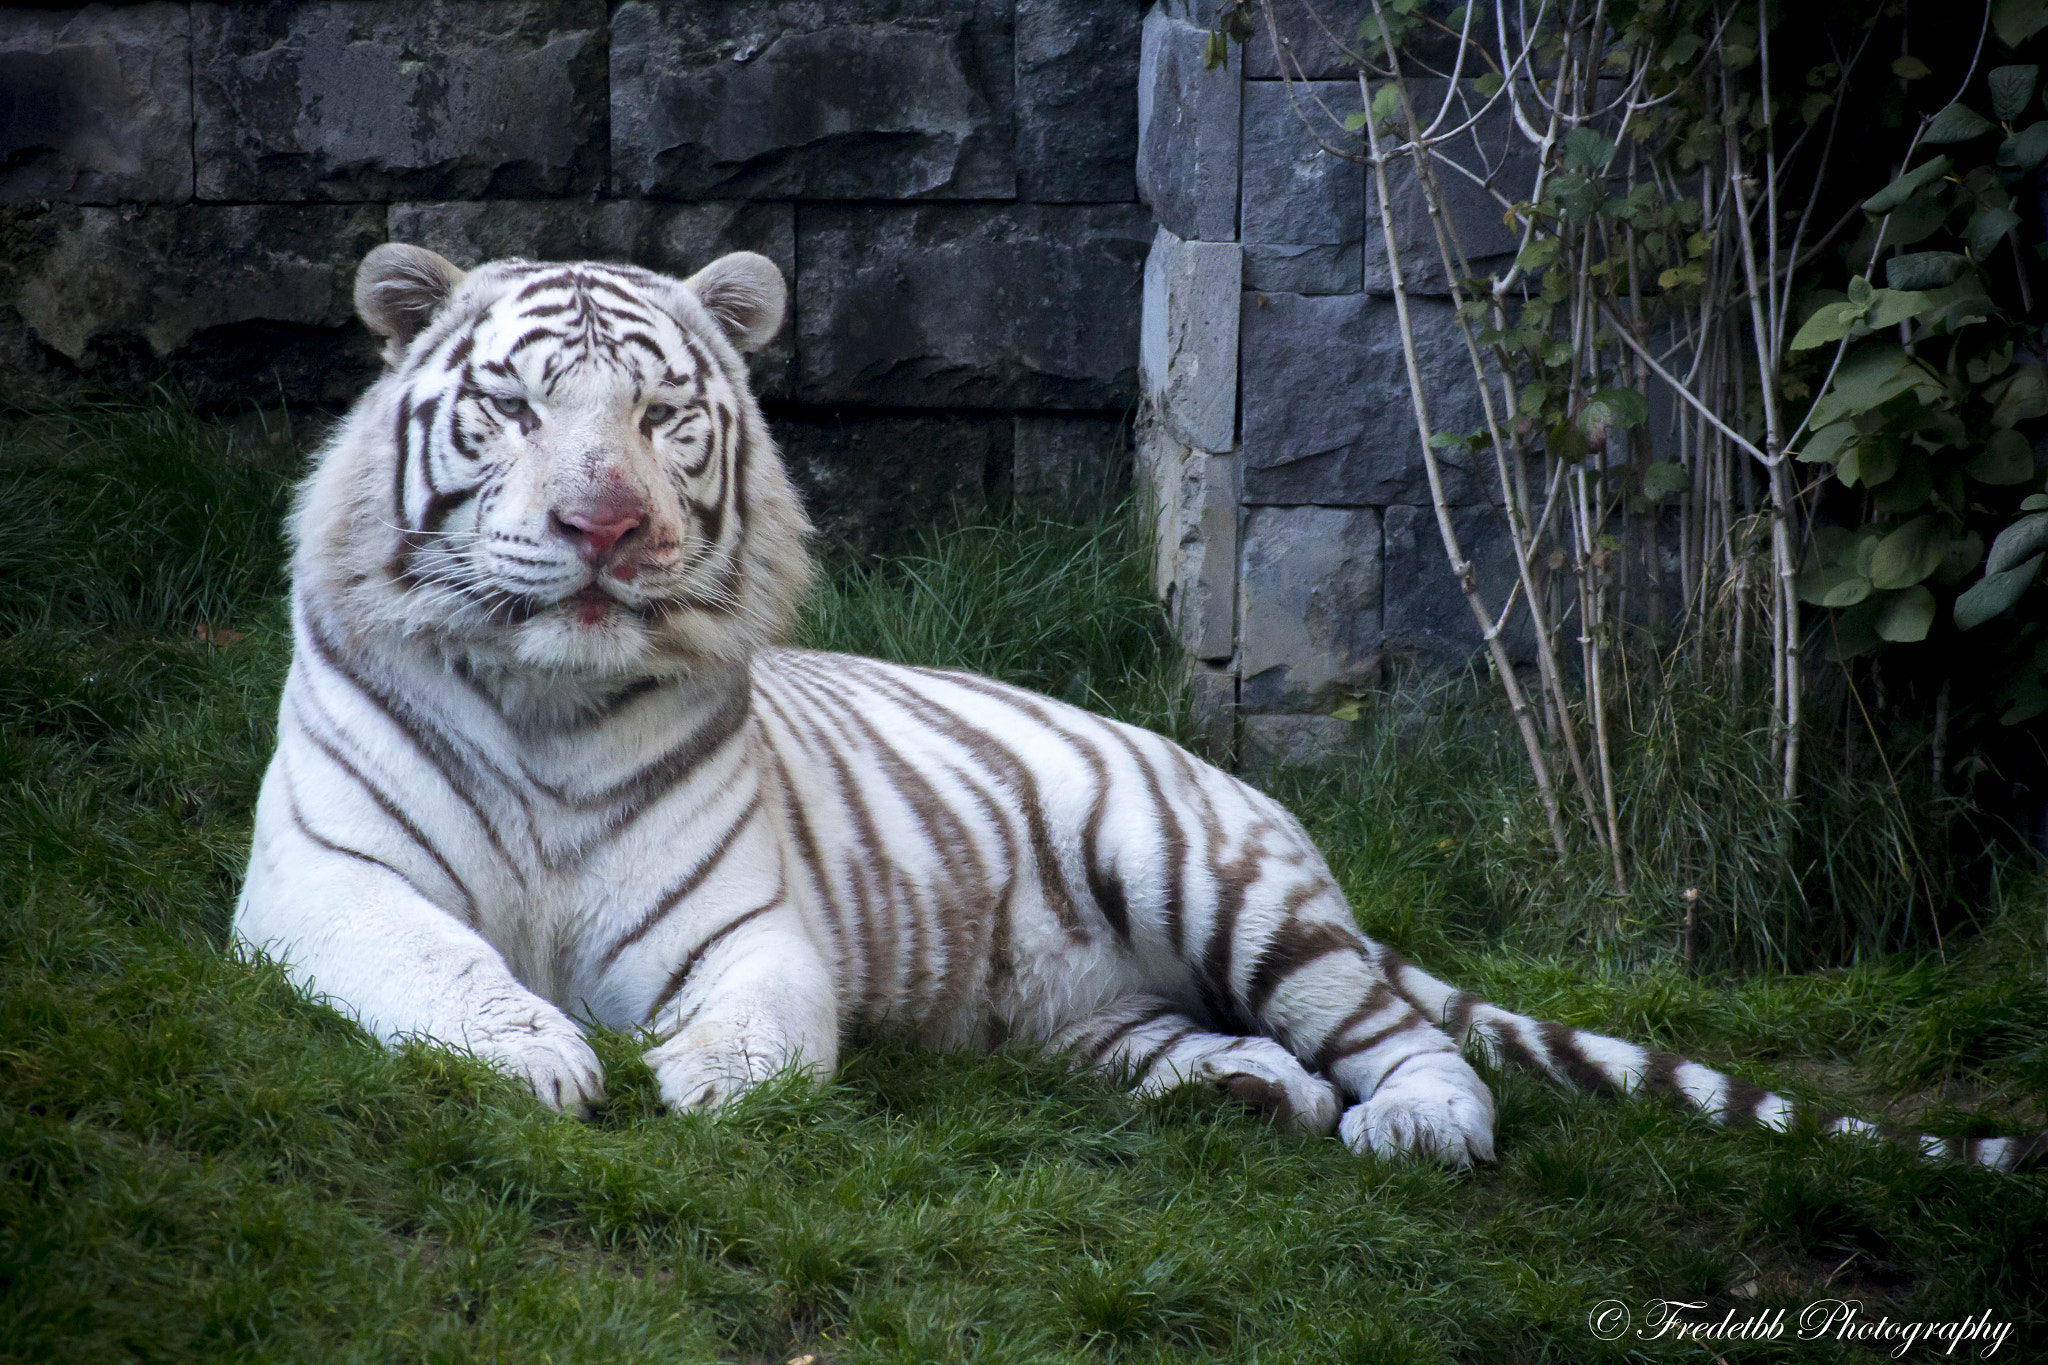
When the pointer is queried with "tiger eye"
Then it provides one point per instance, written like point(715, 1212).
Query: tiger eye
point(658, 413)
point(517, 408)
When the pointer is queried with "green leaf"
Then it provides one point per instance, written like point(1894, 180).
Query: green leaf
point(1906, 617)
point(1987, 228)
point(2018, 20)
point(2011, 88)
point(1354, 122)
point(1444, 440)
point(1586, 150)
point(1910, 68)
point(1916, 220)
point(1386, 102)
point(2034, 502)
point(1994, 593)
point(1488, 84)
point(1613, 408)
point(1871, 374)
point(1538, 254)
point(1854, 631)
point(1957, 123)
point(1830, 322)
point(1906, 186)
point(1890, 307)
point(2019, 397)
point(1924, 269)
point(1681, 50)
point(2005, 459)
point(2027, 148)
point(2025, 537)
point(1813, 106)
point(1826, 445)
point(1910, 553)
point(1664, 479)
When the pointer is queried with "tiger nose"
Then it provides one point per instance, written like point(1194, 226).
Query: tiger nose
point(594, 533)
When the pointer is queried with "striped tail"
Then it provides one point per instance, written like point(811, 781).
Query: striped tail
point(1601, 1065)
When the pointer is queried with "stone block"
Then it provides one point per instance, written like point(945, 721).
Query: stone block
point(1064, 466)
point(1212, 710)
point(1157, 464)
point(1428, 620)
point(1309, 588)
point(255, 300)
point(1303, 214)
point(878, 484)
point(435, 100)
point(677, 239)
point(940, 305)
point(1202, 596)
point(1327, 413)
point(1187, 348)
point(1494, 150)
point(96, 104)
point(1188, 150)
point(1077, 101)
point(1320, 39)
point(1306, 741)
point(864, 99)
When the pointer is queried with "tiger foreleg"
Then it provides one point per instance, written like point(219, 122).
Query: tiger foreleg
point(756, 1002)
point(352, 930)
point(1157, 1048)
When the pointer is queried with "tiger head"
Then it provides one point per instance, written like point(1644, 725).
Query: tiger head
point(562, 469)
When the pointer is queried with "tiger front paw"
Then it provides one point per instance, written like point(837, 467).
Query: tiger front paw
point(1434, 1105)
point(551, 1057)
point(705, 1068)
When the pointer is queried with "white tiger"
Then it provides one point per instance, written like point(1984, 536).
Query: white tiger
point(539, 762)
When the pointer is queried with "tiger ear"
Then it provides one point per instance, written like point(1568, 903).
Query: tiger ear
point(399, 288)
point(744, 292)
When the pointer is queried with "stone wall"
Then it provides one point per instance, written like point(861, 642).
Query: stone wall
point(1298, 550)
point(948, 184)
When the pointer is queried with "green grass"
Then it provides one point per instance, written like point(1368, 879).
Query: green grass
point(196, 1164)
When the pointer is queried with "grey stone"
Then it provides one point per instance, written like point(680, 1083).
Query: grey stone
point(231, 301)
point(1188, 148)
point(96, 104)
point(1158, 461)
point(1077, 100)
point(1187, 345)
point(1308, 607)
point(1276, 269)
point(1191, 498)
point(939, 305)
point(1212, 710)
point(1327, 413)
point(1202, 594)
point(1428, 620)
point(434, 100)
point(1308, 741)
point(1295, 191)
point(1064, 466)
point(1493, 150)
point(877, 483)
point(677, 239)
point(862, 99)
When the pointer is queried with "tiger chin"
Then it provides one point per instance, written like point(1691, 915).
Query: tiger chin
point(542, 764)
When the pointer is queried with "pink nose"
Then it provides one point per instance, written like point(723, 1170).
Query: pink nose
point(594, 533)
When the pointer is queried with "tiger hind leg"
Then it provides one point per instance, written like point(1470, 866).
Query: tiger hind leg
point(1335, 1004)
point(1158, 1048)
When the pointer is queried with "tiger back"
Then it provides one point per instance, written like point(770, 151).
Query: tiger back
point(543, 763)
